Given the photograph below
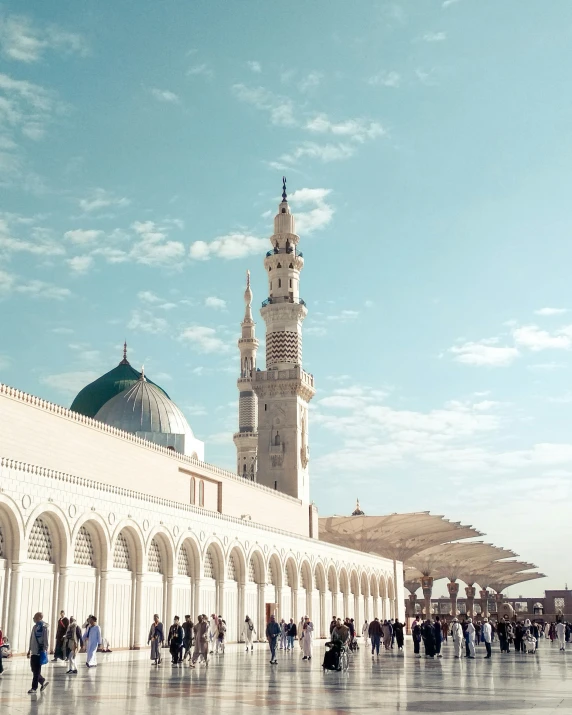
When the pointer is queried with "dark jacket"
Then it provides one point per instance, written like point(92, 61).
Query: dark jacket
point(175, 635)
point(438, 632)
point(272, 630)
point(293, 630)
point(375, 629)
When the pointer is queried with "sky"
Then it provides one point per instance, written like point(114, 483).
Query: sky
point(428, 151)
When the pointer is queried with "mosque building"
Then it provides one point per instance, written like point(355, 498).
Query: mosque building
point(85, 525)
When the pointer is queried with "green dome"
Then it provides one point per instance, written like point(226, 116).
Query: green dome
point(92, 397)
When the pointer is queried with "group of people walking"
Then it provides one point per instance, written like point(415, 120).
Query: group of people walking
point(70, 639)
point(467, 634)
point(286, 634)
point(387, 632)
point(207, 635)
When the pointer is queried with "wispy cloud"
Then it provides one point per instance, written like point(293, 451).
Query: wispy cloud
point(83, 236)
point(145, 322)
point(434, 37)
point(280, 109)
point(22, 41)
point(254, 66)
point(152, 246)
point(484, 353)
point(448, 3)
point(80, 264)
point(551, 311)
point(216, 303)
point(310, 81)
point(230, 246)
point(69, 383)
point(99, 199)
point(41, 289)
point(319, 214)
point(385, 79)
point(164, 95)
point(358, 130)
point(203, 339)
point(201, 70)
point(323, 152)
point(536, 339)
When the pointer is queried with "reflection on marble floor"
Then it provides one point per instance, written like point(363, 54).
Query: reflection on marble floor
point(126, 682)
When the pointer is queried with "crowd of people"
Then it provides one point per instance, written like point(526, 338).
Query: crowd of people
point(196, 641)
point(467, 634)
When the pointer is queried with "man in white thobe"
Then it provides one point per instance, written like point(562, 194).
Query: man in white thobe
point(561, 635)
point(471, 637)
point(365, 633)
point(487, 631)
point(301, 630)
point(458, 638)
point(249, 633)
point(213, 631)
point(307, 638)
point(92, 639)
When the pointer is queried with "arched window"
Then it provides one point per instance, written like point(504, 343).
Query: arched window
point(201, 493)
point(154, 560)
point(183, 563)
point(121, 559)
point(277, 440)
point(193, 487)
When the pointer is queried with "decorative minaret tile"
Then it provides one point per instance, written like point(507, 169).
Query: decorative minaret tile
point(284, 389)
point(246, 439)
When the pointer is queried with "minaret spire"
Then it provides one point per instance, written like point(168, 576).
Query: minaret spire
point(246, 439)
point(124, 361)
point(284, 194)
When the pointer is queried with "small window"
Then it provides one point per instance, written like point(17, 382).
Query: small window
point(291, 266)
point(290, 283)
point(270, 285)
point(279, 265)
point(283, 211)
point(193, 484)
point(279, 283)
point(265, 406)
point(201, 493)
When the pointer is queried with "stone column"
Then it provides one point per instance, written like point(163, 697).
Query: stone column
point(169, 600)
point(137, 616)
point(484, 594)
point(14, 610)
point(294, 607)
point(102, 615)
point(427, 586)
point(453, 588)
point(470, 591)
point(411, 605)
point(499, 599)
point(62, 590)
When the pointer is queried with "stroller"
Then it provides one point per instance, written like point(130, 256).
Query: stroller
point(354, 645)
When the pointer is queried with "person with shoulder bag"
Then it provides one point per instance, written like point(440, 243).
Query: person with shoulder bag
point(71, 645)
point(38, 652)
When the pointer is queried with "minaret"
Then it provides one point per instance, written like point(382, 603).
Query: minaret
point(246, 439)
point(284, 389)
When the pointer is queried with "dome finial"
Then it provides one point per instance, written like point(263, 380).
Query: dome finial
point(284, 194)
point(142, 377)
point(124, 361)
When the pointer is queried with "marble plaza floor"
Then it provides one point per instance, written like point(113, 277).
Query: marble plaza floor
point(240, 683)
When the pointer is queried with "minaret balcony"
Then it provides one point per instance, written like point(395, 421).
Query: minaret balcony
point(289, 251)
point(282, 299)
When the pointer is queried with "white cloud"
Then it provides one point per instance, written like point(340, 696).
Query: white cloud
point(216, 303)
point(448, 3)
point(80, 264)
point(20, 40)
point(145, 322)
point(358, 130)
point(535, 339)
point(229, 247)
point(385, 79)
point(164, 95)
point(317, 217)
point(102, 199)
point(62, 331)
point(69, 383)
point(41, 289)
point(152, 248)
point(5, 362)
point(323, 152)
point(202, 70)
point(280, 109)
point(311, 80)
point(203, 339)
point(254, 66)
point(42, 245)
point(82, 236)
point(434, 36)
point(551, 311)
point(148, 297)
point(484, 353)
